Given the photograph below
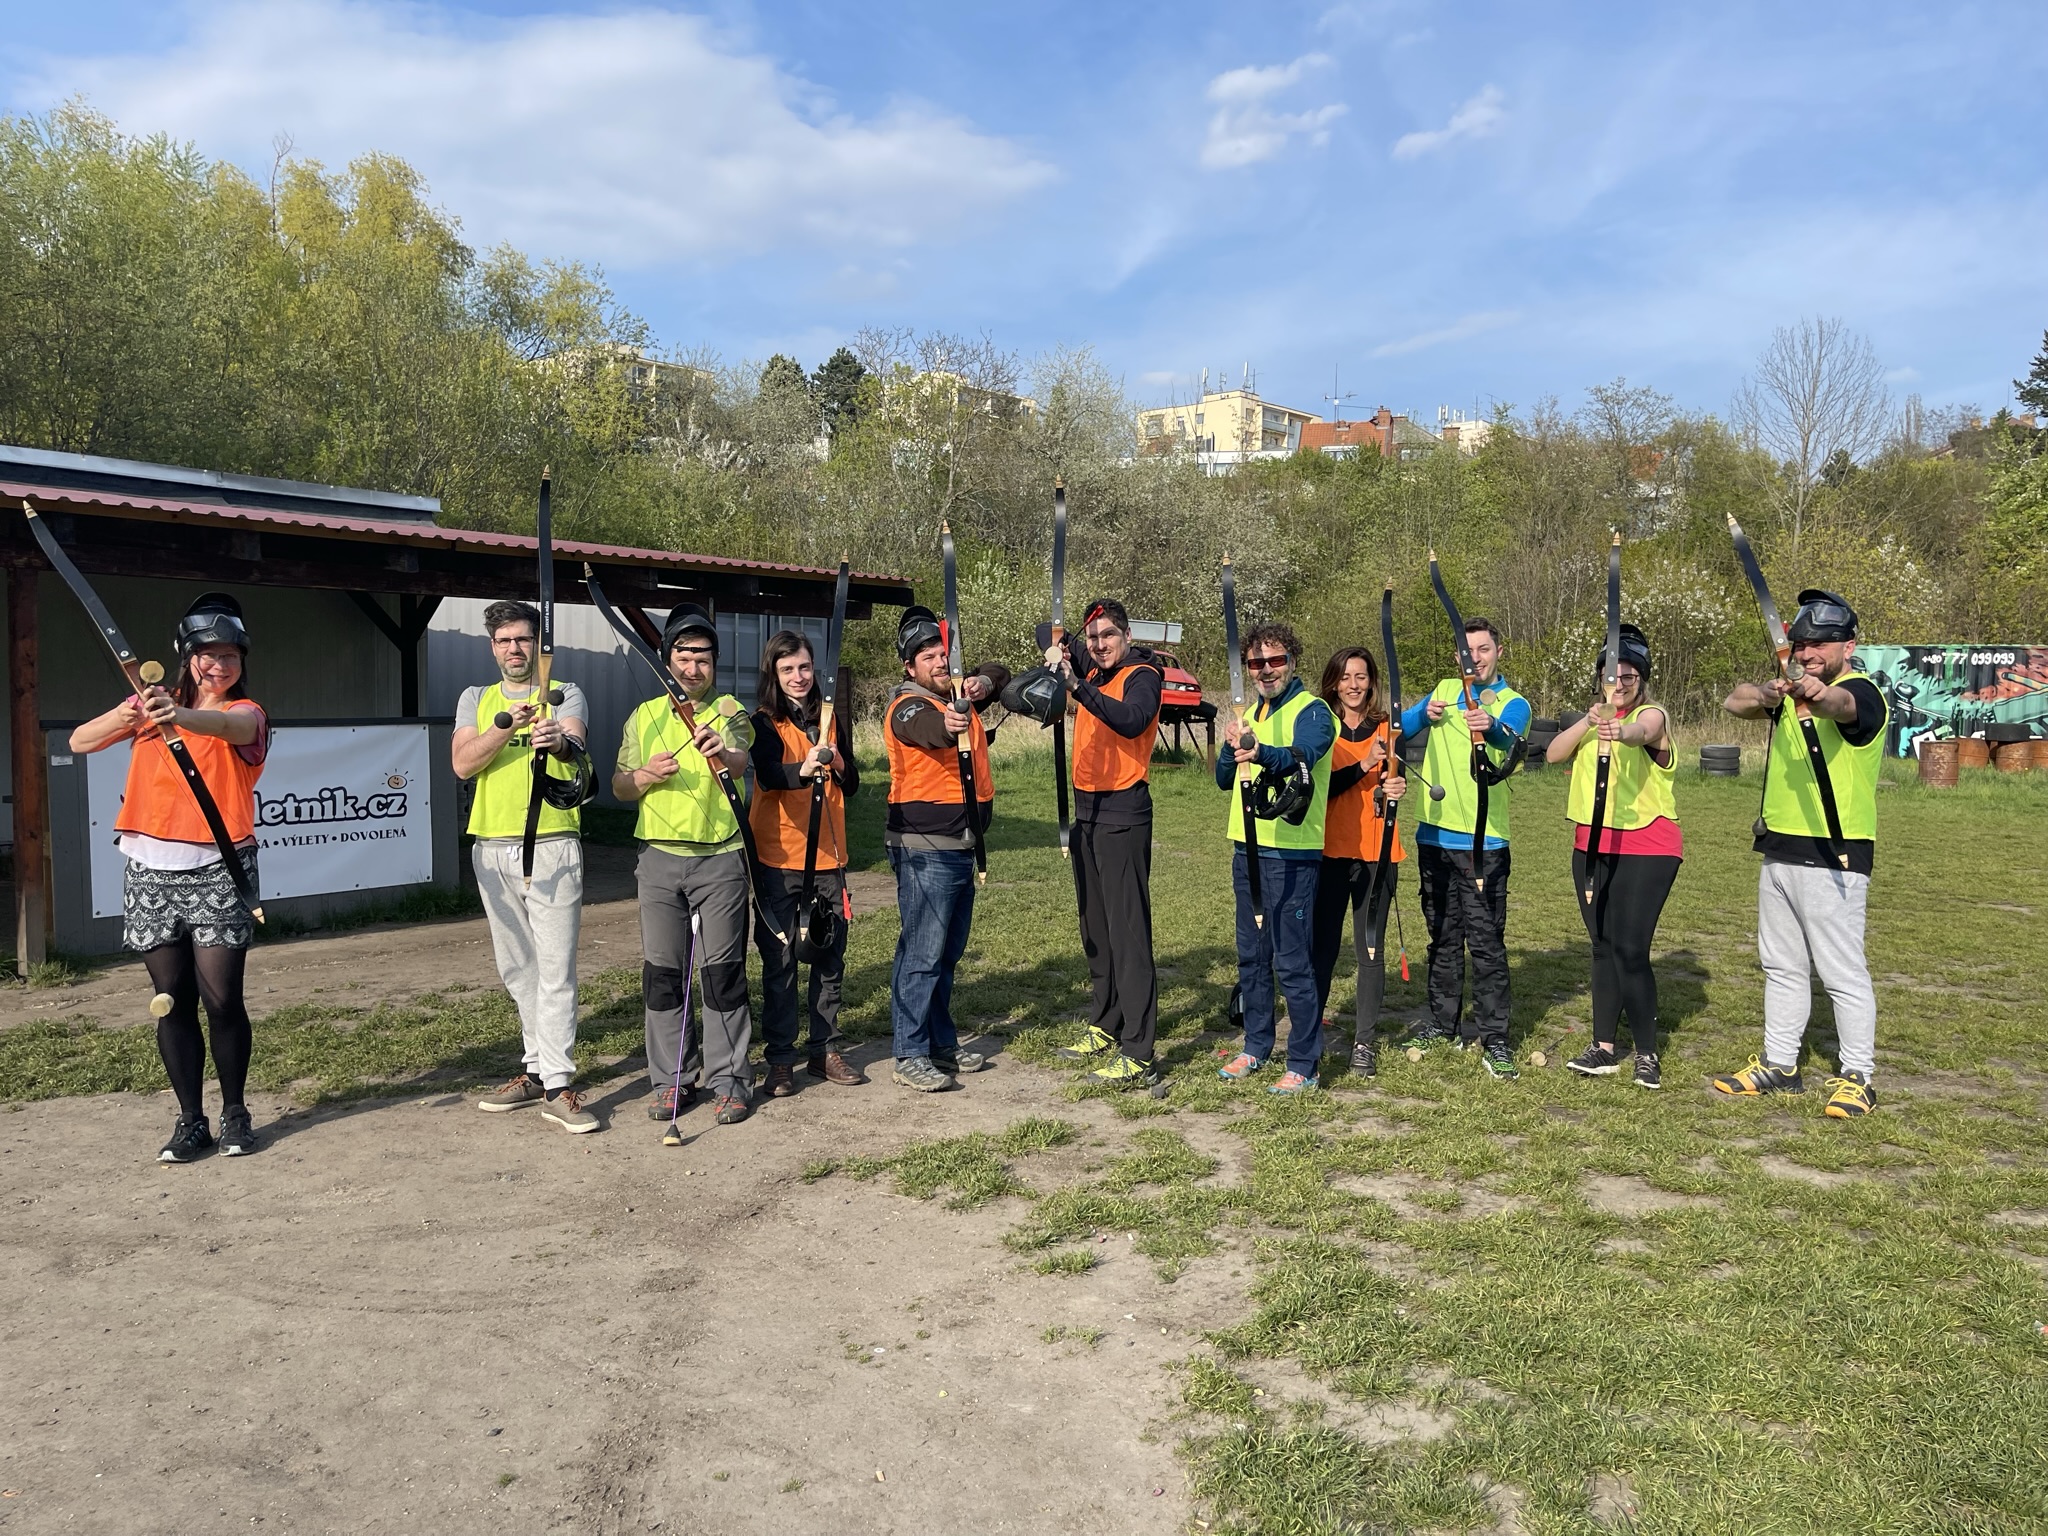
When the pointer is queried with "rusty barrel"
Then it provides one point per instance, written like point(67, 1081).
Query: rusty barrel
point(2013, 756)
point(1973, 752)
point(1938, 761)
point(2040, 757)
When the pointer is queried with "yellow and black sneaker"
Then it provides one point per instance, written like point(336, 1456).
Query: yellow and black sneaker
point(1089, 1046)
point(1758, 1079)
point(1850, 1095)
point(1122, 1072)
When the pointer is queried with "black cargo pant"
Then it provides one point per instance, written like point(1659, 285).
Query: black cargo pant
point(1113, 882)
point(1463, 918)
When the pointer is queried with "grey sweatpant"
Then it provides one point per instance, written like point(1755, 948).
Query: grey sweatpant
point(1811, 920)
point(533, 931)
point(714, 886)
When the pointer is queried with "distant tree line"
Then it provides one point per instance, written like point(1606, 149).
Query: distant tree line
point(334, 326)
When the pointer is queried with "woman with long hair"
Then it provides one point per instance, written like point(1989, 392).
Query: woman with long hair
point(788, 757)
point(179, 906)
point(1364, 775)
point(1634, 866)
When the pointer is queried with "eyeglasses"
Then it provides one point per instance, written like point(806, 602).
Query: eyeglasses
point(512, 642)
point(1265, 663)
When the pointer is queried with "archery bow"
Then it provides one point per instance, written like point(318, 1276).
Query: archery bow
point(141, 675)
point(1246, 772)
point(1791, 671)
point(686, 711)
point(1610, 686)
point(828, 681)
point(1390, 809)
point(1469, 672)
point(1059, 635)
point(543, 672)
point(970, 798)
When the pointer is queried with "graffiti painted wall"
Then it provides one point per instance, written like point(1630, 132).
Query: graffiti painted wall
point(1939, 691)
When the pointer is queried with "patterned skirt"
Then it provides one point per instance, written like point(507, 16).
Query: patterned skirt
point(162, 906)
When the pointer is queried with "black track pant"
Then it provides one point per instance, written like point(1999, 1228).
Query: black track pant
point(1113, 882)
point(194, 973)
point(1346, 885)
point(1463, 918)
point(1629, 891)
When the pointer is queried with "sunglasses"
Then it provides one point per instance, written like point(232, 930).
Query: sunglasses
point(1265, 663)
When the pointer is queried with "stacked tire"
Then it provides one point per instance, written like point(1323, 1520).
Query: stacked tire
point(1721, 762)
point(1542, 732)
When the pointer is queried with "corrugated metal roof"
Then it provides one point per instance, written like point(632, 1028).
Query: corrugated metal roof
point(91, 472)
point(373, 530)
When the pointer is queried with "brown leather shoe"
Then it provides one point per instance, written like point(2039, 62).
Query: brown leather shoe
point(781, 1081)
point(834, 1068)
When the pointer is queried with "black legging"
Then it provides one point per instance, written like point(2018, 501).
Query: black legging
point(192, 973)
point(1347, 885)
point(1629, 891)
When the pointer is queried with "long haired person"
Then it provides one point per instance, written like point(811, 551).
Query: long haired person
point(178, 901)
point(1639, 854)
point(1364, 775)
point(788, 756)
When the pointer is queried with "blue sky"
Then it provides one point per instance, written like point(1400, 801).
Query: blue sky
point(1456, 204)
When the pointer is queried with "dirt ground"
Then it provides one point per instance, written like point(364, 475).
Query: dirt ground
point(408, 1316)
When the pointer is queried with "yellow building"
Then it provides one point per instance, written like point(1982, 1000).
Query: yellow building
point(1230, 424)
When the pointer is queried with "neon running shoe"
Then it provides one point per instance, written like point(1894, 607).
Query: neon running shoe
point(1122, 1072)
point(1239, 1067)
point(1850, 1095)
point(1089, 1046)
point(1292, 1083)
point(1758, 1079)
point(1499, 1061)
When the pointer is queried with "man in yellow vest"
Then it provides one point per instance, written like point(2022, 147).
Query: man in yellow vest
point(693, 862)
point(534, 926)
point(931, 846)
point(1116, 718)
point(1812, 893)
point(1463, 918)
point(1288, 734)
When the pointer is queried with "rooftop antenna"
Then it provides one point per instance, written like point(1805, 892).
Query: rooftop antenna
point(1205, 381)
point(1335, 398)
point(1250, 379)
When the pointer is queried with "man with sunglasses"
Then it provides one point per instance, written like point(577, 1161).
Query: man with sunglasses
point(1117, 703)
point(534, 925)
point(1288, 734)
point(1810, 905)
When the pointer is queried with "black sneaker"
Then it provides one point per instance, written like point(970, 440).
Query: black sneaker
point(1596, 1060)
point(189, 1139)
point(1365, 1058)
point(1647, 1073)
point(1499, 1060)
point(237, 1135)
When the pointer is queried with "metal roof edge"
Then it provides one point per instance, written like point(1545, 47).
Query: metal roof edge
point(86, 468)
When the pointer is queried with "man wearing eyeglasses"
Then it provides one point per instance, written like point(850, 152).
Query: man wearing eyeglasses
point(1288, 734)
point(1810, 905)
point(534, 925)
point(1117, 702)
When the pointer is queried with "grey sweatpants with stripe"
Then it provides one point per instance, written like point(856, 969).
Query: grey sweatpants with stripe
point(1811, 921)
point(714, 887)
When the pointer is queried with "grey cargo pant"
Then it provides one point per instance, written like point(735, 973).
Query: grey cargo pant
point(714, 887)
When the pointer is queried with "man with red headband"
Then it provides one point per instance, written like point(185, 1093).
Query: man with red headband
point(1117, 698)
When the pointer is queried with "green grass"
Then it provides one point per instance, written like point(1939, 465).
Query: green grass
point(1799, 1325)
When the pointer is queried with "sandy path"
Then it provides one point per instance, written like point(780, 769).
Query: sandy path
point(408, 1316)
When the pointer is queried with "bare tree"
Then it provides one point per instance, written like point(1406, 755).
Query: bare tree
point(1818, 390)
point(1627, 421)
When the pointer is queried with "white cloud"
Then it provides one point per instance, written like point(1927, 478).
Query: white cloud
point(1479, 118)
point(1461, 329)
point(1245, 130)
point(637, 138)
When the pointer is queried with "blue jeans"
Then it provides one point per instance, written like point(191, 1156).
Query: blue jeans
point(1285, 945)
point(935, 899)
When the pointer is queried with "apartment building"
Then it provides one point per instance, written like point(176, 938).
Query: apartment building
point(1225, 427)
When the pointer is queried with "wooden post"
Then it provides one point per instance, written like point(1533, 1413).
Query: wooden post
point(31, 773)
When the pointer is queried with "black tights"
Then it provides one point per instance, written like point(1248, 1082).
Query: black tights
point(1629, 892)
point(190, 974)
point(1346, 885)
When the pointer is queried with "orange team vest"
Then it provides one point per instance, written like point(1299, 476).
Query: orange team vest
point(1103, 760)
point(924, 782)
point(782, 817)
point(1350, 829)
point(157, 802)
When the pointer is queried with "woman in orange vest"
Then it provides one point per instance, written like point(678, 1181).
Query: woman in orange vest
point(179, 907)
point(1117, 716)
point(1364, 775)
point(788, 756)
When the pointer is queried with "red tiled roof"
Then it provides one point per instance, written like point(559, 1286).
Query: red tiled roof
point(1318, 435)
point(379, 531)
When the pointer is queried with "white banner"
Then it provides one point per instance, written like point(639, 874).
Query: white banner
point(339, 808)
